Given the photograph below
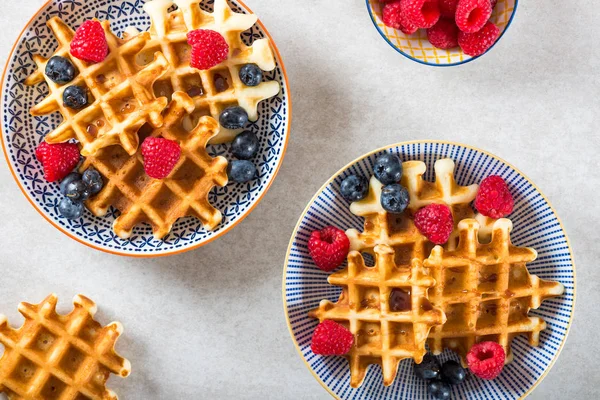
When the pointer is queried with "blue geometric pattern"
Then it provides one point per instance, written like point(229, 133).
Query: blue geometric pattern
point(22, 133)
point(535, 225)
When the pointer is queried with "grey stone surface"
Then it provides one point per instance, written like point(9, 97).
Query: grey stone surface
point(209, 323)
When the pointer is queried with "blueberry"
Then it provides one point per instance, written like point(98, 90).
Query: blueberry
point(245, 145)
point(93, 180)
point(394, 198)
point(354, 188)
point(233, 118)
point(240, 171)
point(75, 97)
point(429, 368)
point(251, 75)
point(70, 209)
point(77, 190)
point(60, 70)
point(73, 176)
point(439, 390)
point(388, 168)
point(453, 372)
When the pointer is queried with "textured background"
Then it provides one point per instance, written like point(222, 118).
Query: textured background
point(209, 323)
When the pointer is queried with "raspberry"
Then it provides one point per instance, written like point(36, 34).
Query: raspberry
point(422, 13)
point(58, 159)
point(444, 34)
point(493, 3)
point(448, 8)
point(435, 222)
point(331, 339)
point(475, 44)
point(486, 359)
point(471, 15)
point(160, 156)
point(89, 43)
point(328, 247)
point(209, 48)
point(393, 17)
point(493, 197)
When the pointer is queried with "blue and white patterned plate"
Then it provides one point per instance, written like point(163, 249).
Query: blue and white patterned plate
point(22, 133)
point(535, 224)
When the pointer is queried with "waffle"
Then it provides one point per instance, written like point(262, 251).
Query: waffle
point(381, 336)
point(61, 357)
point(160, 202)
point(121, 100)
point(485, 291)
point(220, 87)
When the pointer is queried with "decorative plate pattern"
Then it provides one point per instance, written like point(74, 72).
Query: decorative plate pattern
point(417, 47)
point(22, 133)
point(535, 225)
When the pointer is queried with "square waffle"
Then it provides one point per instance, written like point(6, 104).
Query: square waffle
point(60, 357)
point(120, 95)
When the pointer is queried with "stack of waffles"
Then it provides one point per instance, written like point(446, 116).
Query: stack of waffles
point(474, 288)
point(147, 87)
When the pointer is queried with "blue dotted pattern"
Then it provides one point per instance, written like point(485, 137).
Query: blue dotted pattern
point(23, 133)
point(535, 225)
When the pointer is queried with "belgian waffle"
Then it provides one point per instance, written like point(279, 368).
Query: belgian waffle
point(160, 202)
point(121, 99)
point(381, 336)
point(220, 87)
point(61, 357)
point(485, 291)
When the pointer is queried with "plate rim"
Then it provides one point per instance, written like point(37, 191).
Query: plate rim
point(150, 254)
point(372, 15)
point(412, 142)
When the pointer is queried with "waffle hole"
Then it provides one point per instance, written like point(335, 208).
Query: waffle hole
point(187, 175)
point(456, 317)
point(138, 177)
point(221, 81)
point(489, 312)
point(71, 361)
point(488, 278)
point(190, 122)
point(89, 332)
point(518, 309)
point(165, 201)
point(518, 277)
point(53, 388)
point(24, 371)
point(163, 88)
point(109, 77)
point(401, 335)
point(369, 299)
point(182, 51)
point(192, 85)
point(43, 341)
point(403, 255)
point(454, 280)
point(369, 334)
point(146, 56)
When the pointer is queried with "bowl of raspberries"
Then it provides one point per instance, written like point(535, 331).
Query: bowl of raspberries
point(442, 32)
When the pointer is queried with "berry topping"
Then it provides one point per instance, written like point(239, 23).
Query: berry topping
point(75, 97)
point(331, 338)
point(60, 70)
point(475, 44)
point(58, 159)
point(240, 171)
point(422, 13)
point(486, 359)
point(453, 372)
point(448, 8)
point(429, 368)
point(209, 48)
point(444, 34)
point(493, 198)
point(435, 222)
point(394, 198)
point(439, 390)
point(399, 300)
point(245, 145)
point(160, 156)
point(388, 168)
point(354, 188)
point(89, 43)
point(233, 118)
point(69, 208)
point(93, 180)
point(251, 75)
point(77, 191)
point(471, 15)
point(328, 248)
point(72, 177)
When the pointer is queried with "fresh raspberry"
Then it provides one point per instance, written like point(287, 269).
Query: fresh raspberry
point(444, 34)
point(448, 8)
point(89, 43)
point(58, 159)
point(493, 198)
point(160, 156)
point(475, 44)
point(328, 247)
point(391, 14)
point(435, 222)
point(209, 48)
point(471, 15)
point(486, 359)
point(331, 339)
point(422, 13)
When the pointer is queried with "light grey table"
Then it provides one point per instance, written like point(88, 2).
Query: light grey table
point(209, 323)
